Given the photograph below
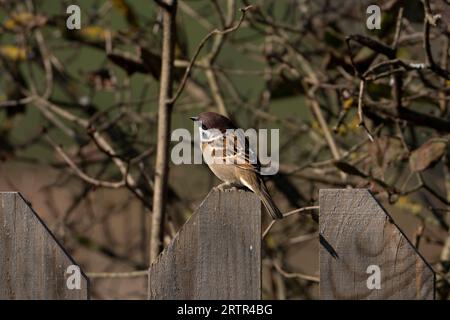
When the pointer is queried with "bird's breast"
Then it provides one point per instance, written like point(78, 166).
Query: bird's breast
point(225, 172)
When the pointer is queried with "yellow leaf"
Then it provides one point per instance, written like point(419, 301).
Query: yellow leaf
point(405, 203)
point(24, 19)
point(126, 10)
point(348, 103)
point(353, 156)
point(13, 53)
point(95, 33)
point(354, 123)
point(403, 53)
point(342, 130)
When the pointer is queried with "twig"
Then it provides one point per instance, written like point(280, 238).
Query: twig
point(14, 103)
point(398, 29)
point(324, 126)
point(163, 4)
point(131, 274)
point(47, 64)
point(418, 234)
point(215, 90)
point(199, 48)
point(430, 20)
point(195, 15)
point(81, 174)
point(443, 104)
point(303, 238)
point(287, 214)
point(295, 275)
point(362, 123)
point(164, 119)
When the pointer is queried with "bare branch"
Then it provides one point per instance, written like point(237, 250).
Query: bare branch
point(198, 50)
point(164, 118)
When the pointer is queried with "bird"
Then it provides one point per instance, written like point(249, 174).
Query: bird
point(229, 156)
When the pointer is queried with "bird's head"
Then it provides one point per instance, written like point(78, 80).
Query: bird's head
point(212, 120)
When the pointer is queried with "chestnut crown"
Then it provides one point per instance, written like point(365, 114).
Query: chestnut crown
point(212, 120)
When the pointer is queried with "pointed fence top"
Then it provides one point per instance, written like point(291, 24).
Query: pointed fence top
point(217, 253)
point(364, 254)
point(33, 265)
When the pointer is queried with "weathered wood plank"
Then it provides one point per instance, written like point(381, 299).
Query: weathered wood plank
point(217, 253)
point(32, 263)
point(362, 234)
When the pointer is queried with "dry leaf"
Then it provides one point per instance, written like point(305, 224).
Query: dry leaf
point(102, 79)
point(427, 155)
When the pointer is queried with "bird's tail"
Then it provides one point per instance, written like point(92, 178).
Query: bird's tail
point(268, 202)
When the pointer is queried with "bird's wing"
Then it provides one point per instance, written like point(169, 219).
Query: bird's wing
point(231, 147)
point(240, 150)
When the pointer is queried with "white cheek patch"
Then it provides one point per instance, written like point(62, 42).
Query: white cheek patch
point(209, 135)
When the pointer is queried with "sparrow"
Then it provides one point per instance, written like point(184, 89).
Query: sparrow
point(229, 156)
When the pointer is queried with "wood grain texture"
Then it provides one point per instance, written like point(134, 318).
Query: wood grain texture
point(217, 253)
point(32, 262)
point(362, 233)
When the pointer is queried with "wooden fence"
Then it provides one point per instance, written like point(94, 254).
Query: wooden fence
point(364, 254)
point(217, 253)
point(33, 265)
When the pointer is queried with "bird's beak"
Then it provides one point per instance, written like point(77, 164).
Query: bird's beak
point(193, 118)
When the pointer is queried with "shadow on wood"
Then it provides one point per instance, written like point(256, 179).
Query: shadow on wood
point(33, 264)
point(217, 253)
point(368, 245)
